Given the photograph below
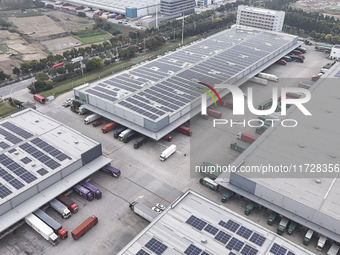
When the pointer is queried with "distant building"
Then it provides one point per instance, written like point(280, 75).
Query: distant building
point(176, 8)
point(260, 18)
point(335, 52)
point(207, 2)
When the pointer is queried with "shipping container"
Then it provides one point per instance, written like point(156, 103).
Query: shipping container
point(246, 137)
point(214, 113)
point(84, 227)
point(108, 127)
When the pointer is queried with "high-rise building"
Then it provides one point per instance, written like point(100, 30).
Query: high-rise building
point(177, 8)
point(260, 18)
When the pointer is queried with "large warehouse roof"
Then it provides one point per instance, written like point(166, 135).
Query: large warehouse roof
point(194, 225)
point(309, 195)
point(36, 152)
point(156, 94)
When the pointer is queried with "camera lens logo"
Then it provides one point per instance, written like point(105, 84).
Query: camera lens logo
point(204, 102)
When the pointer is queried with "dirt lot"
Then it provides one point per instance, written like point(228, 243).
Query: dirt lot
point(329, 7)
point(60, 44)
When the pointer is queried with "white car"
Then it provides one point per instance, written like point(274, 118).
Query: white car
point(156, 209)
point(160, 206)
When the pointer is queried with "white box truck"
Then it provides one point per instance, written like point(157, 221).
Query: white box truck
point(124, 133)
point(321, 243)
point(42, 228)
point(168, 152)
point(260, 81)
point(91, 118)
point(333, 250)
point(143, 211)
point(308, 237)
point(60, 208)
point(267, 76)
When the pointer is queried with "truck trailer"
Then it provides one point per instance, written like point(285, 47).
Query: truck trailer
point(118, 132)
point(115, 172)
point(69, 203)
point(333, 250)
point(168, 152)
point(84, 227)
point(124, 133)
point(60, 208)
point(93, 189)
point(249, 208)
point(282, 226)
point(143, 211)
point(83, 192)
point(267, 76)
point(205, 181)
point(140, 141)
point(91, 118)
point(129, 136)
point(308, 237)
point(214, 113)
point(209, 170)
point(39, 98)
point(108, 127)
point(42, 228)
point(185, 130)
point(238, 147)
point(246, 137)
point(321, 243)
point(52, 223)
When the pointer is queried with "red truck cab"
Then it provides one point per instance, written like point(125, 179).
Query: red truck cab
point(167, 138)
point(185, 130)
point(69, 203)
point(39, 98)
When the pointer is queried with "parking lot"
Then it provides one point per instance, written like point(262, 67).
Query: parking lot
point(144, 174)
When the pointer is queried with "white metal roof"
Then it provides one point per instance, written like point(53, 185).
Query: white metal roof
point(195, 221)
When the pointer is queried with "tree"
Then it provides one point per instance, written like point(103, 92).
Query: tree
point(81, 14)
point(41, 77)
point(25, 67)
point(81, 51)
point(69, 67)
point(88, 50)
point(4, 76)
point(94, 63)
point(52, 72)
point(16, 71)
point(59, 57)
point(61, 70)
point(66, 54)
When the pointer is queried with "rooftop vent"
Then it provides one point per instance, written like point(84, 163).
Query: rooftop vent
point(318, 181)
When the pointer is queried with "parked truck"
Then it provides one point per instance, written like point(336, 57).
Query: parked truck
point(93, 189)
point(128, 137)
point(308, 236)
point(52, 223)
point(266, 104)
point(84, 227)
point(291, 227)
point(246, 137)
point(58, 65)
point(209, 170)
point(39, 98)
point(237, 147)
point(42, 228)
point(69, 203)
point(91, 118)
point(143, 211)
point(250, 207)
point(321, 243)
point(226, 196)
point(118, 132)
point(60, 208)
point(333, 250)
point(282, 226)
point(260, 130)
point(83, 192)
point(168, 152)
point(272, 217)
point(108, 169)
point(267, 76)
point(108, 127)
point(140, 141)
point(214, 113)
point(124, 133)
point(205, 181)
point(259, 80)
point(185, 130)
point(228, 104)
point(167, 138)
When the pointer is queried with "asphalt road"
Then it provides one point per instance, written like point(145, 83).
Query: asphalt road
point(9, 89)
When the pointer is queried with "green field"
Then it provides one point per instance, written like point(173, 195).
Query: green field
point(4, 48)
point(93, 37)
point(6, 109)
point(68, 85)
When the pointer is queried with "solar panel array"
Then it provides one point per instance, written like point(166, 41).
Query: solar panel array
point(12, 170)
point(156, 246)
point(142, 252)
point(280, 250)
point(194, 250)
point(165, 85)
point(225, 238)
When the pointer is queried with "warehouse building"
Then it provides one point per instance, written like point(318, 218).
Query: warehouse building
point(155, 97)
point(309, 192)
point(131, 8)
point(194, 224)
point(40, 158)
point(177, 8)
point(260, 18)
point(335, 52)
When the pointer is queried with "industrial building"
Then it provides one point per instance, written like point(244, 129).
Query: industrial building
point(260, 18)
point(177, 8)
point(40, 158)
point(207, 2)
point(155, 97)
point(335, 52)
point(193, 224)
point(130, 8)
point(308, 193)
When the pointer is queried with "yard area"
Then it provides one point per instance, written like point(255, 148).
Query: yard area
point(93, 37)
point(6, 109)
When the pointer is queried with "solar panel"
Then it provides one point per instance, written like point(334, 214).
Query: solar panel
point(2, 172)
point(12, 150)
point(142, 252)
point(248, 250)
point(211, 229)
point(290, 253)
point(244, 232)
point(222, 237)
point(204, 253)
point(17, 130)
point(277, 249)
point(28, 177)
point(192, 250)
point(196, 222)
point(4, 145)
point(156, 246)
point(26, 160)
point(4, 191)
point(42, 171)
point(235, 244)
point(231, 225)
point(16, 184)
point(257, 239)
